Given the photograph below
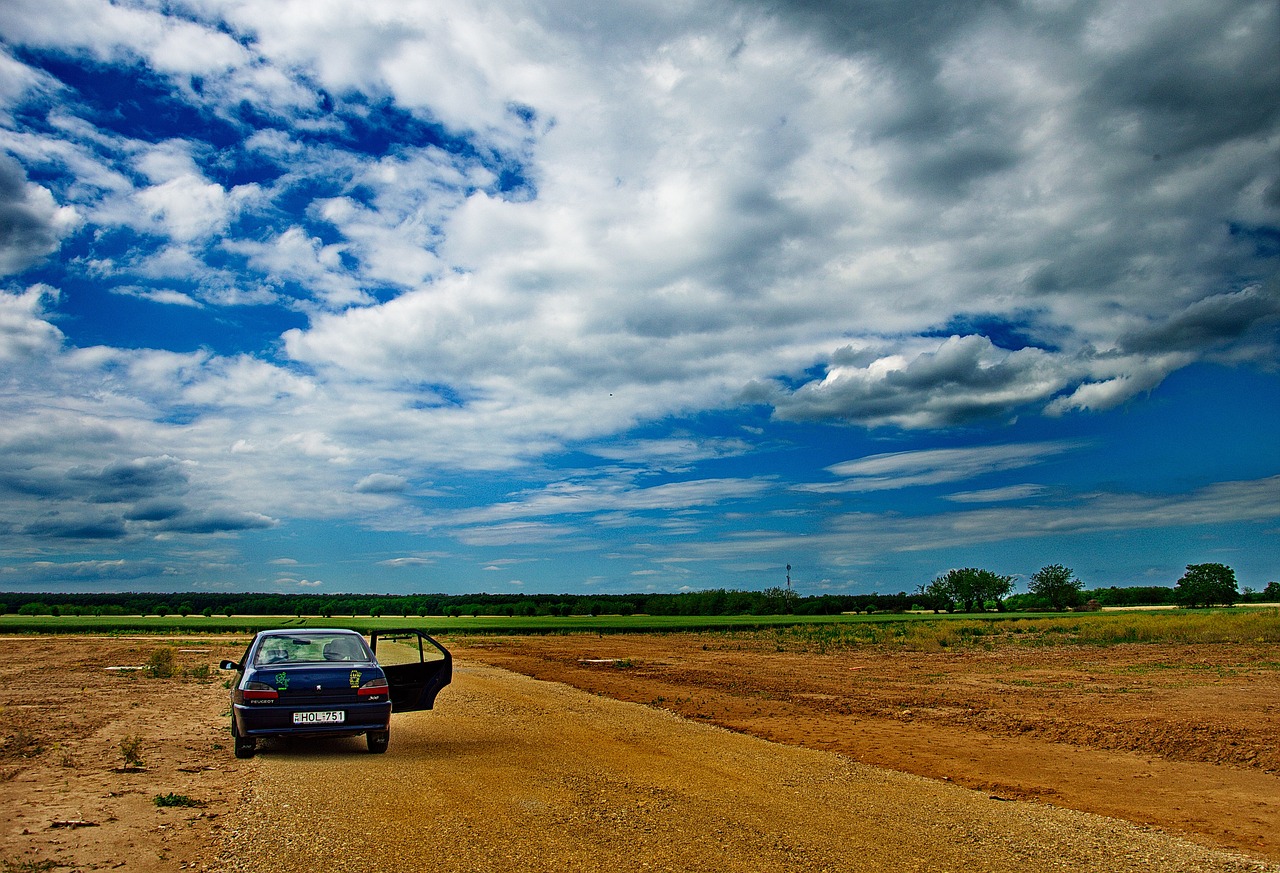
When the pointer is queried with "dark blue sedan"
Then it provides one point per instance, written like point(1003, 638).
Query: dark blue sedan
point(312, 682)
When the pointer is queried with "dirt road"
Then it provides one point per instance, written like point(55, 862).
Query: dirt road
point(515, 774)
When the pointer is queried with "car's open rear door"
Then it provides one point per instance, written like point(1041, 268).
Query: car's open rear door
point(417, 667)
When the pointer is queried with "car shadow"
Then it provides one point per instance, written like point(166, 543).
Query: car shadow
point(285, 747)
point(341, 747)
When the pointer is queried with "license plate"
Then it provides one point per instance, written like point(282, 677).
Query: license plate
point(336, 716)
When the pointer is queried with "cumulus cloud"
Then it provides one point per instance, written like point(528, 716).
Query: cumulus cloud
point(962, 379)
point(484, 239)
point(188, 207)
point(109, 30)
point(24, 330)
point(1214, 322)
point(381, 483)
point(289, 582)
point(32, 225)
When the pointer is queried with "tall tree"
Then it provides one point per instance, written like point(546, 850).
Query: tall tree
point(1056, 584)
point(969, 587)
point(1206, 585)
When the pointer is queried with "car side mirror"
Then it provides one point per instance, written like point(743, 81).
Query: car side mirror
point(228, 665)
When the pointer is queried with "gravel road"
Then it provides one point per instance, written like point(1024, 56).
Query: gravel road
point(515, 774)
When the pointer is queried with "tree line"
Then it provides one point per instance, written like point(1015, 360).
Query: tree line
point(1055, 587)
point(962, 590)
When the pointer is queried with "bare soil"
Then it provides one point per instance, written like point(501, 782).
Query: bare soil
point(69, 796)
point(1178, 739)
point(1182, 737)
point(511, 773)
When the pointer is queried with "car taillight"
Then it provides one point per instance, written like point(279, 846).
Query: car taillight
point(374, 688)
point(259, 692)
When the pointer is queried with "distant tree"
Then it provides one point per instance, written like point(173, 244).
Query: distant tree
point(1056, 584)
point(986, 587)
point(937, 595)
point(1207, 585)
point(969, 588)
point(1271, 593)
point(775, 601)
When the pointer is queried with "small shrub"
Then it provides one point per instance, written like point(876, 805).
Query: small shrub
point(167, 800)
point(160, 664)
point(26, 866)
point(131, 751)
point(199, 672)
point(22, 743)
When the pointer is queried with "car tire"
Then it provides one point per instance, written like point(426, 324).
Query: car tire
point(378, 741)
point(245, 746)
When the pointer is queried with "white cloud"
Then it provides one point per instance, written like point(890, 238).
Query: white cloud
point(600, 497)
point(290, 582)
point(24, 332)
point(999, 495)
point(630, 213)
point(188, 207)
point(934, 466)
point(513, 533)
point(160, 295)
point(381, 483)
point(853, 537)
point(113, 30)
point(307, 260)
point(413, 561)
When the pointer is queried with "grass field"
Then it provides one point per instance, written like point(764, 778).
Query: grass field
point(915, 632)
point(1099, 629)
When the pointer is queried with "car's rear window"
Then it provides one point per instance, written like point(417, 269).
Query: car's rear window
point(305, 648)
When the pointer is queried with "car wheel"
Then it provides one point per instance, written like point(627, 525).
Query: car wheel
point(245, 746)
point(378, 741)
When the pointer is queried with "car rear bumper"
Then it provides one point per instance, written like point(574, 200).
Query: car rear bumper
point(273, 720)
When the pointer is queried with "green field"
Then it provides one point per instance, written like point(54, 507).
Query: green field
point(484, 624)
point(917, 631)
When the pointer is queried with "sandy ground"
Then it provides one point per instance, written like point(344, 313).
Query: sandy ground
point(507, 771)
point(1180, 737)
point(516, 774)
point(68, 799)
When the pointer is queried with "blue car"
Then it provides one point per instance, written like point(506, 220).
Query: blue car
point(312, 682)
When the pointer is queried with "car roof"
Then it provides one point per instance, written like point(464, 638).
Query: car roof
point(289, 632)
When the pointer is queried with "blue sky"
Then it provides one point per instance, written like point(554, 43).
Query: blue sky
point(560, 297)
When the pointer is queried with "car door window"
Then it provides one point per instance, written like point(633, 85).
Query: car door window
point(417, 667)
